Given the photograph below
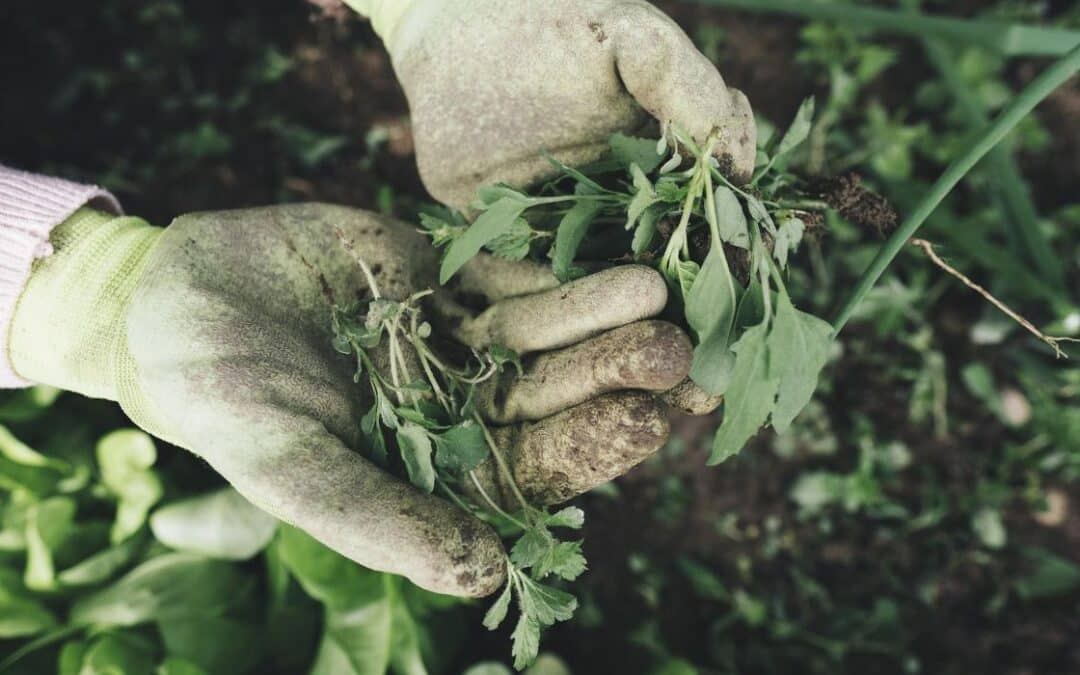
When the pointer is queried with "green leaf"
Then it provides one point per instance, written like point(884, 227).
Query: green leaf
point(48, 524)
point(490, 194)
point(125, 458)
point(799, 349)
point(730, 219)
point(22, 617)
point(644, 197)
point(988, 526)
point(497, 612)
point(526, 642)
point(415, 446)
point(531, 547)
point(176, 666)
point(630, 151)
point(214, 644)
point(686, 272)
point(710, 312)
point(572, 230)
point(646, 229)
point(571, 517)
point(461, 448)
point(101, 565)
point(170, 585)
point(799, 129)
point(545, 604)
point(789, 234)
point(71, 658)
point(498, 219)
point(23, 405)
point(564, 559)
point(118, 654)
point(326, 575)
point(220, 524)
point(1052, 576)
point(503, 356)
point(374, 638)
point(514, 243)
point(750, 396)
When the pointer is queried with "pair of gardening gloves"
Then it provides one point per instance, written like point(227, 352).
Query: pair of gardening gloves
point(215, 333)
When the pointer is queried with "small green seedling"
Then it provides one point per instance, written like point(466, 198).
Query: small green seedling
point(426, 410)
point(693, 225)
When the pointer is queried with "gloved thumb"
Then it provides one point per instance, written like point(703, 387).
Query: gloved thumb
point(674, 82)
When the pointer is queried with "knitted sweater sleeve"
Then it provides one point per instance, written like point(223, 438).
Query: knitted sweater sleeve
point(31, 206)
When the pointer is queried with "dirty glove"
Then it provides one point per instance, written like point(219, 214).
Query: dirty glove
point(215, 334)
point(493, 83)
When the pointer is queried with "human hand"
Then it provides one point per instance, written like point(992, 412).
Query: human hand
point(492, 84)
point(218, 339)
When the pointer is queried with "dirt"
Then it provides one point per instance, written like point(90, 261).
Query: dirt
point(342, 84)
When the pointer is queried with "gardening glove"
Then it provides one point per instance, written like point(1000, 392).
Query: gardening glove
point(492, 84)
point(215, 334)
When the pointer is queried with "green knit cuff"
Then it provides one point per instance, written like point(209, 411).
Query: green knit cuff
point(68, 329)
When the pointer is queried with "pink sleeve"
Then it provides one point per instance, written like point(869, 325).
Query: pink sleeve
point(30, 207)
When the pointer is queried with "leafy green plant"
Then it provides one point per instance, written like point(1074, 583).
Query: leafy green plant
point(428, 412)
point(752, 345)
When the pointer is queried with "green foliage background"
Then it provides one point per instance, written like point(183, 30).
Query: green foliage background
point(920, 516)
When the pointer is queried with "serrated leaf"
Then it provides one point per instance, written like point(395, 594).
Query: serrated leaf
point(730, 219)
point(563, 559)
point(531, 547)
point(749, 398)
point(526, 642)
point(513, 244)
point(800, 343)
point(630, 150)
point(571, 517)
point(670, 191)
point(461, 448)
point(498, 219)
point(497, 612)
point(572, 230)
point(545, 604)
point(415, 447)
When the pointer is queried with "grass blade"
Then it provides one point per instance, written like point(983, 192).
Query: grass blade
point(1022, 105)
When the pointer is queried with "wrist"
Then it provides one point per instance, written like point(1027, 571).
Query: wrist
point(68, 328)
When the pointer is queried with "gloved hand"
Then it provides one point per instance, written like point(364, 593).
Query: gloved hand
point(493, 83)
point(215, 335)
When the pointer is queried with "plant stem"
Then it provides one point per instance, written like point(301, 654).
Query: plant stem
point(1013, 39)
point(503, 467)
point(1024, 103)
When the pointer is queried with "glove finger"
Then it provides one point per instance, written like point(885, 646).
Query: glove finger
point(691, 399)
point(569, 313)
point(663, 70)
point(318, 484)
point(573, 451)
point(496, 279)
point(646, 355)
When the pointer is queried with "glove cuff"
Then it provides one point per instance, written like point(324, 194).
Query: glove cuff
point(30, 207)
point(68, 328)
